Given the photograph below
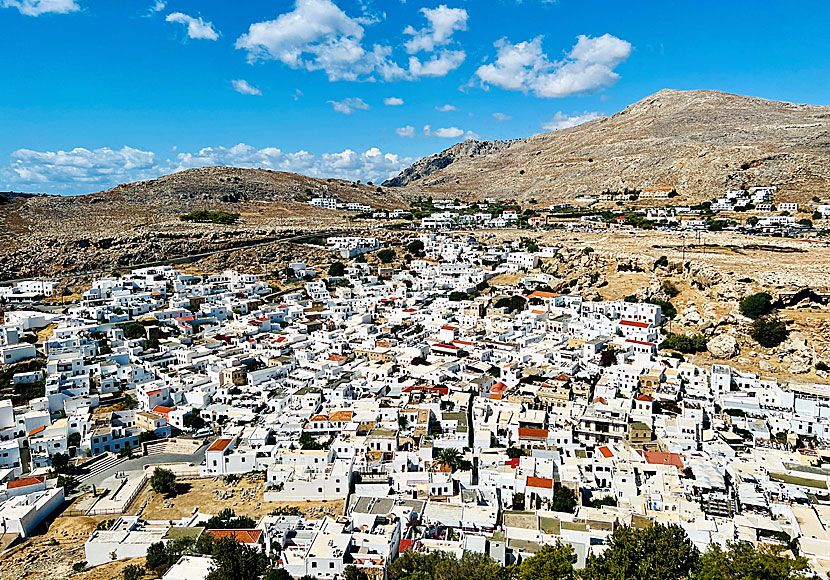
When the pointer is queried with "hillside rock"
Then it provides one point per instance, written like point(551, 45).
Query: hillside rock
point(699, 142)
point(723, 346)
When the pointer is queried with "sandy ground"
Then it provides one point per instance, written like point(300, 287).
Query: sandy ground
point(211, 496)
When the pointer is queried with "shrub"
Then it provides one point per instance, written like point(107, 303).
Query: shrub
point(386, 255)
point(133, 572)
point(822, 366)
point(204, 216)
point(685, 343)
point(669, 289)
point(756, 305)
point(769, 331)
point(669, 311)
point(337, 269)
point(163, 481)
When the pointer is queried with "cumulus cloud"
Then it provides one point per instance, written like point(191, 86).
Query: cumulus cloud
point(196, 27)
point(349, 105)
point(501, 117)
point(38, 7)
point(446, 108)
point(442, 23)
point(318, 36)
point(407, 132)
point(245, 88)
point(393, 101)
point(563, 121)
point(370, 165)
point(79, 167)
point(448, 133)
point(589, 66)
point(83, 170)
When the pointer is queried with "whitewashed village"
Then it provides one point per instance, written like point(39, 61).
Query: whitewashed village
point(432, 410)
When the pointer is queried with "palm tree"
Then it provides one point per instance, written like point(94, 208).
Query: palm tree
point(449, 457)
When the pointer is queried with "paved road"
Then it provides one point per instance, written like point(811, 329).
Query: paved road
point(138, 464)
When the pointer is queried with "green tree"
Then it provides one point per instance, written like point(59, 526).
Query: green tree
point(685, 343)
point(756, 305)
point(157, 557)
point(337, 269)
point(669, 289)
point(60, 462)
point(654, 553)
point(742, 561)
point(163, 481)
point(133, 572)
point(514, 452)
point(769, 331)
point(564, 500)
point(352, 572)
point(277, 574)
point(386, 255)
point(193, 420)
point(134, 331)
point(415, 247)
point(550, 563)
point(669, 311)
point(235, 561)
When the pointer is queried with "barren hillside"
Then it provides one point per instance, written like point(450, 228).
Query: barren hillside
point(139, 222)
point(700, 142)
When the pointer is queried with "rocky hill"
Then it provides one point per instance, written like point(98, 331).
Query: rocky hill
point(700, 142)
point(139, 222)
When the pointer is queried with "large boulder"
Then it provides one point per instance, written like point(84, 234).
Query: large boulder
point(723, 346)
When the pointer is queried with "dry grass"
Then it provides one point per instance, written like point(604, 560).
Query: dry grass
point(205, 495)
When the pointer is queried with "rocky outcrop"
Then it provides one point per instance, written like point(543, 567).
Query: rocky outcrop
point(723, 346)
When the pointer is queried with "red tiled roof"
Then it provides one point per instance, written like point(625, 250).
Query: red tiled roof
point(153, 392)
point(499, 387)
point(661, 458)
point(605, 452)
point(600, 400)
point(514, 463)
point(540, 294)
point(642, 342)
point(220, 445)
point(533, 433)
point(542, 482)
point(337, 357)
point(37, 430)
point(405, 545)
point(645, 398)
point(442, 345)
point(634, 323)
point(24, 482)
point(496, 396)
point(241, 536)
point(448, 328)
point(162, 410)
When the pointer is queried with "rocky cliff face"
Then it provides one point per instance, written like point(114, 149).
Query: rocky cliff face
point(700, 142)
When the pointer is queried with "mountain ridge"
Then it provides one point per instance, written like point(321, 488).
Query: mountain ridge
point(699, 141)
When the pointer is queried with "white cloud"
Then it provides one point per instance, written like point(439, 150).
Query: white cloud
point(562, 121)
point(501, 117)
point(318, 36)
point(443, 22)
point(349, 105)
point(449, 133)
point(298, 94)
point(93, 169)
point(245, 88)
point(393, 101)
point(196, 27)
point(38, 7)
point(446, 108)
point(589, 66)
point(158, 6)
point(82, 170)
point(407, 132)
point(439, 65)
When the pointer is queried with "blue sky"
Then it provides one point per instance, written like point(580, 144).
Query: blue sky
point(100, 92)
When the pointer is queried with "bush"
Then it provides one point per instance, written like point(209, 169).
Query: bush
point(163, 481)
point(756, 305)
point(769, 331)
point(133, 331)
point(337, 269)
point(415, 247)
point(822, 366)
point(386, 255)
point(204, 216)
point(669, 311)
point(685, 343)
point(669, 289)
point(133, 572)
